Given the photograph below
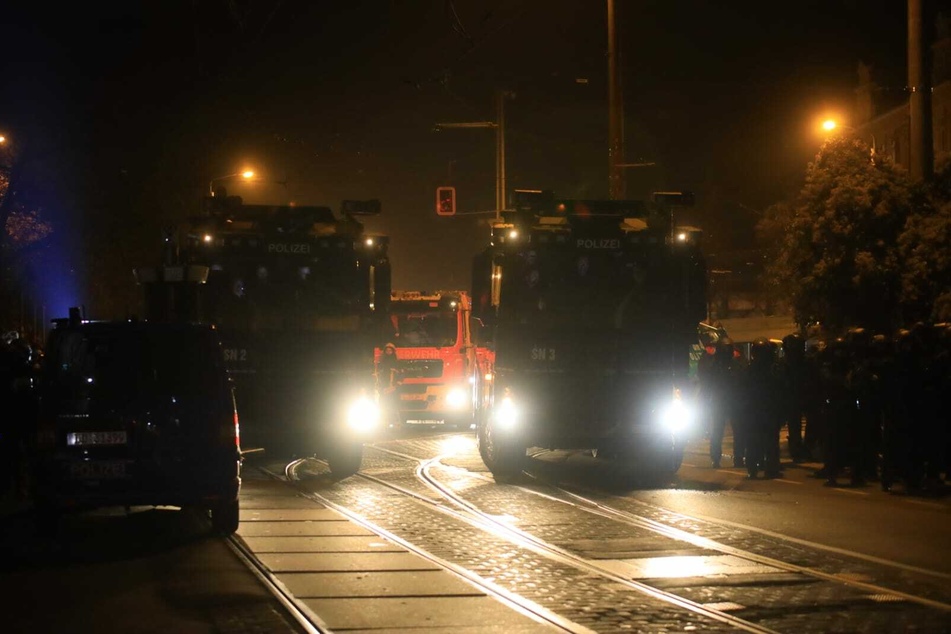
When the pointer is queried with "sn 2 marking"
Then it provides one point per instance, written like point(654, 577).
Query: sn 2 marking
point(236, 354)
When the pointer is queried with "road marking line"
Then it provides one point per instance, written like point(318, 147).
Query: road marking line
point(786, 481)
point(852, 491)
point(934, 505)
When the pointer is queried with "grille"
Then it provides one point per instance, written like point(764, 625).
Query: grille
point(421, 368)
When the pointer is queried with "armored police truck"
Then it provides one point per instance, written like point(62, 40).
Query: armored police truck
point(592, 306)
point(297, 294)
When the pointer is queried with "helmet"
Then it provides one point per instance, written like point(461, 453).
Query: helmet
point(794, 345)
point(389, 346)
point(761, 350)
point(838, 352)
point(724, 349)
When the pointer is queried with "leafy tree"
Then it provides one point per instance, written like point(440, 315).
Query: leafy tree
point(834, 248)
point(22, 229)
point(925, 247)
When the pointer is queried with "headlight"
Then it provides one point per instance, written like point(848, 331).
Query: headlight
point(506, 414)
point(456, 398)
point(363, 414)
point(677, 416)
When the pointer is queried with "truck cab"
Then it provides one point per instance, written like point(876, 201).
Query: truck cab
point(441, 370)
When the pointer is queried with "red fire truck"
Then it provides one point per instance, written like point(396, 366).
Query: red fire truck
point(441, 371)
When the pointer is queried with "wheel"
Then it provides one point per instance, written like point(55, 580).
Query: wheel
point(345, 459)
point(502, 454)
point(653, 467)
point(46, 519)
point(224, 517)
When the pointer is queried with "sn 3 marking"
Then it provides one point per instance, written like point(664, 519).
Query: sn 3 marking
point(236, 354)
point(543, 354)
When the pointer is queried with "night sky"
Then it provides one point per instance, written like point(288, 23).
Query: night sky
point(126, 110)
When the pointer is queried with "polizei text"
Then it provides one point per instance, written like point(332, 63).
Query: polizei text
point(598, 243)
point(288, 247)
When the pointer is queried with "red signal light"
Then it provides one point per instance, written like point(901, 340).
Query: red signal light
point(446, 201)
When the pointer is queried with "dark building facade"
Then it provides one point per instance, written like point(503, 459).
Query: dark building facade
point(882, 117)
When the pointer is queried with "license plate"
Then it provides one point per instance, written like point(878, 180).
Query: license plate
point(413, 397)
point(97, 470)
point(96, 438)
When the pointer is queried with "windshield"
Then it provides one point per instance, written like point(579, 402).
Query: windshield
point(424, 329)
point(285, 296)
point(587, 289)
point(124, 363)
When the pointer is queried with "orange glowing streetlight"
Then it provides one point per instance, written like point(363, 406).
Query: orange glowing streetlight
point(831, 126)
point(246, 175)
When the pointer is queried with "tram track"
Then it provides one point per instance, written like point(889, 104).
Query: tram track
point(510, 599)
point(472, 514)
point(309, 622)
point(424, 471)
point(428, 482)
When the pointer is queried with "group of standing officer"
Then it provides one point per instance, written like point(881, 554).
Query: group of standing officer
point(744, 395)
point(867, 406)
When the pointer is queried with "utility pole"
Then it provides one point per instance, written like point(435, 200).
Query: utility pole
point(500, 152)
point(615, 113)
point(499, 126)
point(921, 161)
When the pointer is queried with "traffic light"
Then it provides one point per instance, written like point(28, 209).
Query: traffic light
point(446, 201)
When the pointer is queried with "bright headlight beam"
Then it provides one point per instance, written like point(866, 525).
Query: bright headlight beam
point(455, 398)
point(363, 415)
point(677, 416)
point(506, 414)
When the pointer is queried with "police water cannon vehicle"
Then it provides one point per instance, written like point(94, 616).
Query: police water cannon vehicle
point(592, 307)
point(297, 294)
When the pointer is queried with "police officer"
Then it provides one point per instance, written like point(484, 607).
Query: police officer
point(792, 372)
point(16, 404)
point(899, 387)
point(387, 377)
point(718, 390)
point(925, 398)
point(840, 410)
point(865, 385)
point(760, 411)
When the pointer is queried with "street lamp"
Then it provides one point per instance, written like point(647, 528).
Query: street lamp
point(246, 174)
point(831, 125)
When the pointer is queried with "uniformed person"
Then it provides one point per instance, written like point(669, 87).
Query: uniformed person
point(387, 377)
point(718, 390)
point(16, 402)
point(864, 385)
point(760, 412)
point(840, 409)
point(793, 379)
point(925, 395)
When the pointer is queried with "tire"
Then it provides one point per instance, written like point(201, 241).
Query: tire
point(653, 469)
point(345, 459)
point(47, 520)
point(503, 455)
point(225, 517)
